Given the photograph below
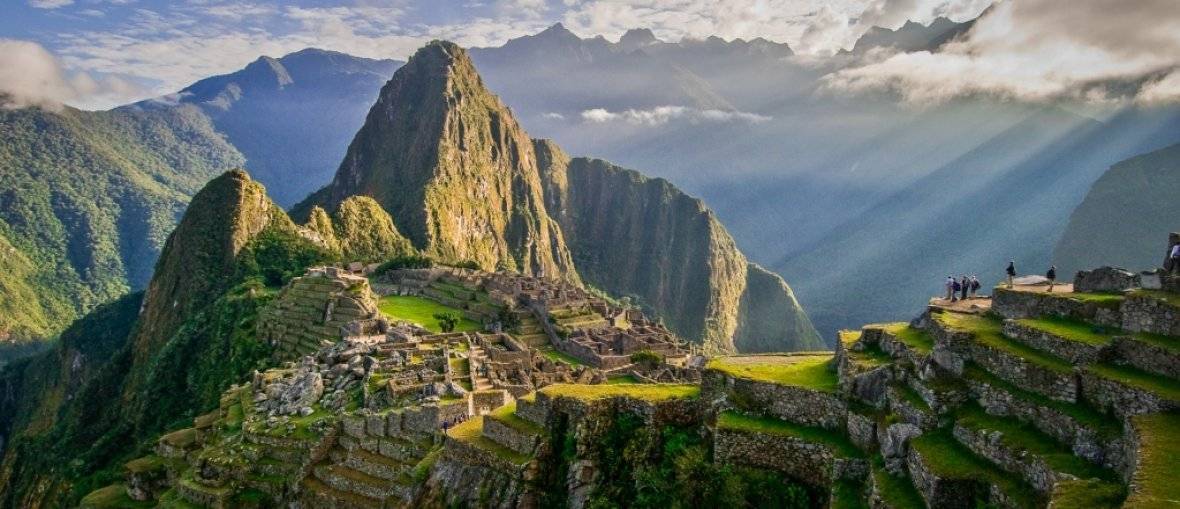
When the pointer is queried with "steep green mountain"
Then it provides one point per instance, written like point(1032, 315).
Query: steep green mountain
point(291, 117)
point(463, 181)
point(363, 231)
point(1144, 187)
point(70, 416)
point(454, 169)
point(86, 200)
point(632, 235)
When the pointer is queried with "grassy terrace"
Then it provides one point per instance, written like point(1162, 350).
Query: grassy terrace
point(1169, 343)
point(837, 442)
point(1171, 298)
point(810, 371)
point(507, 415)
point(946, 457)
point(897, 492)
point(113, 496)
point(644, 392)
point(1069, 329)
point(1090, 493)
point(986, 331)
point(1106, 300)
point(1154, 480)
point(1103, 424)
point(1024, 437)
point(556, 356)
point(919, 340)
point(1163, 386)
point(421, 311)
point(909, 395)
point(471, 432)
point(848, 494)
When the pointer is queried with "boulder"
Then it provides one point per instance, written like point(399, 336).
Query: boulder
point(304, 391)
point(1105, 280)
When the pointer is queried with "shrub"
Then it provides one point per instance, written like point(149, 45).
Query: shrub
point(405, 262)
point(447, 321)
point(647, 359)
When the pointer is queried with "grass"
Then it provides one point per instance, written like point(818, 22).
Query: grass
point(507, 415)
point(1023, 437)
point(1070, 329)
point(1163, 386)
point(808, 371)
point(556, 356)
point(171, 499)
point(987, 332)
point(1154, 479)
point(1171, 298)
point(897, 492)
point(421, 311)
point(870, 357)
point(837, 442)
point(1168, 343)
point(918, 340)
point(113, 496)
point(1089, 493)
point(909, 395)
point(947, 458)
point(848, 337)
point(848, 494)
point(622, 379)
point(471, 432)
point(1102, 424)
point(644, 392)
point(148, 463)
point(1106, 300)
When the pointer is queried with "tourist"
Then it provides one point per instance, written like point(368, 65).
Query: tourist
point(1051, 276)
point(974, 285)
point(1011, 270)
point(950, 288)
point(955, 289)
point(1175, 268)
point(965, 287)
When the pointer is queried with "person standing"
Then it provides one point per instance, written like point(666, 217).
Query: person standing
point(954, 289)
point(965, 285)
point(974, 285)
point(950, 288)
point(1051, 276)
point(1011, 270)
point(1175, 259)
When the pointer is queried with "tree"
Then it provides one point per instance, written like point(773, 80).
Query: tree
point(447, 321)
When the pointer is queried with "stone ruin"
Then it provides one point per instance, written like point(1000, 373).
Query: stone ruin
point(321, 306)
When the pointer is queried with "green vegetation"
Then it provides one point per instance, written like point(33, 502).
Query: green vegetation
point(1105, 300)
point(808, 371)
point(1072, 330)
point(446, 321)
point(836, 441)
point(909, 395)
point(647, 358)
point(1089, 493)
point(405, 262)
point(112, 497)
point(645, 392)
point(869, 357)
point(1155, 476)
point(897, 492)
point(648, 467)
point(1168, 297)
point(556, 356)
point(917, 339)
point(848, 494)
point(1164, 387)
point(507, 415)
point(366, 233)
point(946, 457)
point(421, 311)
point(622, 379)
point(1019, 436)
point(1105, 425)
point(471, 432)
point(1159, 340)
point(987, 331)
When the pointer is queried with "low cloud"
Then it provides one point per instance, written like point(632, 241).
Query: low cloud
point(49, 4)
point(664, 114)
point(1041, 50)
point(35, 77)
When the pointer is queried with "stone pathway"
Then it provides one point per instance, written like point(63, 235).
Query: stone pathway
point(475, 359)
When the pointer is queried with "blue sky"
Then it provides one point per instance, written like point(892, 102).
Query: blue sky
point(101, 53)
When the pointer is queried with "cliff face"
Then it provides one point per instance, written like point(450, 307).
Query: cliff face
point(632, 235)
point(449, 162)
point(1142, 187)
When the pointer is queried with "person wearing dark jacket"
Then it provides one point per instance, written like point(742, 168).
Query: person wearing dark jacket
point(966, 287)
point(1051, 276)
point(1011, 270)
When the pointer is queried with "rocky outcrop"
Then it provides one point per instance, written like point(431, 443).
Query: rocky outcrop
point(365, 232)
point(643, 237)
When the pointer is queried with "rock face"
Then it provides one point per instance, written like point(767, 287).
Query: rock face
point(632, 235)
point(463, 182)
point(449, 162)
point(361, 230)
point(1105, 280)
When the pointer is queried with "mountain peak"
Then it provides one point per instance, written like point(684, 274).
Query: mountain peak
point(557, 30)
point(636, 38)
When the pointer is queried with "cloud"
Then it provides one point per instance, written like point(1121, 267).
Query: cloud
point(664, 114)
point(553, 116)
point(49, 4)
point(35, 77)
point(1040, 50)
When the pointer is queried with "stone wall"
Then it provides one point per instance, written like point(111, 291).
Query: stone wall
point(312, 309)
point(1145, 313)
point(1017, 304)
point(812, 463)
point(1122, 400)
point(1076, 352)
point(1148, 356)
point(1105, 280)
point(795, 404)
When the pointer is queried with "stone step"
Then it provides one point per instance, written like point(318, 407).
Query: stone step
point(1072, 340)
point(948, 474)
point(1150, 352)
point(1023, 450)
point(986, 346)
point(469, 434)
point(1089, 433)
point(1126, 390)
point(204, 496)
point(315, 493)
point(375, 465)
point(349, 480)
point(506, 428)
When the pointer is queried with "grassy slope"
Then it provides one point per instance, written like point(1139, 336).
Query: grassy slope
point(421, 311)
point(808, 371)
